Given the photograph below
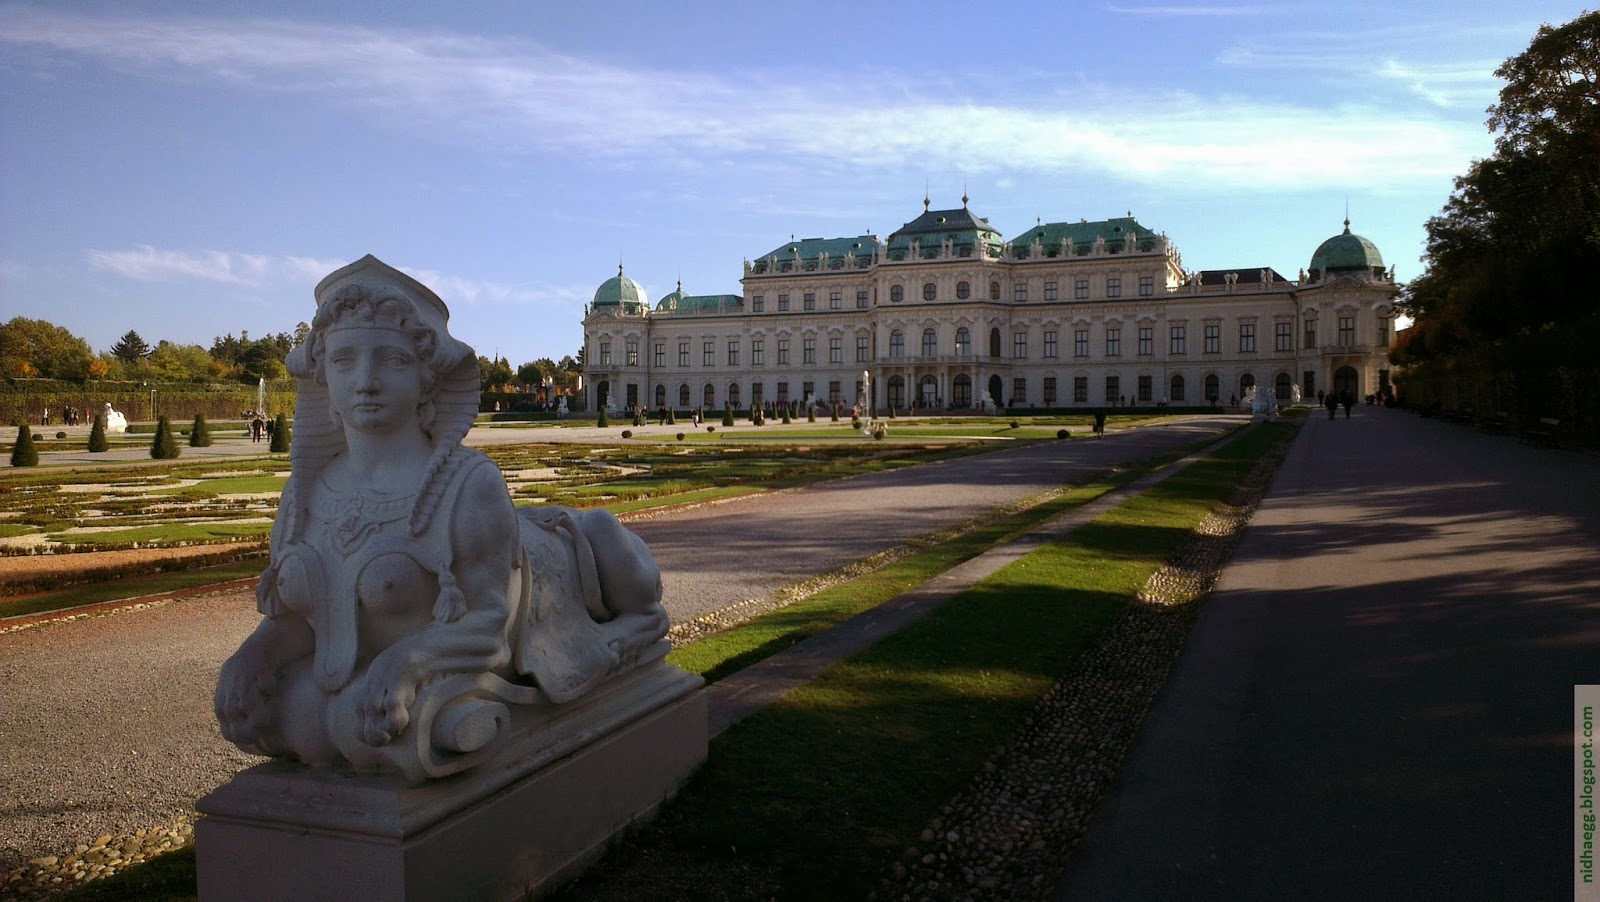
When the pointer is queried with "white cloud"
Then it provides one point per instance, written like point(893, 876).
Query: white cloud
point(510, 95)
point(149, 264)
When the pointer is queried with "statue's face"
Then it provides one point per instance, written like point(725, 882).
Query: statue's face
point(374, 378)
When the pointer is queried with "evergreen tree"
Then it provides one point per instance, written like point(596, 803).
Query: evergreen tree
point(727, 416)
point(23, 453)
point(130, 348)
point(280, 434)
point(811, 414)
point(97, 435)
point(164, 446)
point(199, 435)
point(835, 413)
point(604, 421)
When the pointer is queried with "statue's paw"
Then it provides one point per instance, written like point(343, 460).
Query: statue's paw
point(385, 714)
point(241, 705)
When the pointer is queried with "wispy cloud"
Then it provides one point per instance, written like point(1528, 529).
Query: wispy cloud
point(513, 96)
point(148, 264)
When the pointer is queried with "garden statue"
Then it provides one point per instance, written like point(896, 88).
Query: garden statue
point(409, 608)
point(116, 423)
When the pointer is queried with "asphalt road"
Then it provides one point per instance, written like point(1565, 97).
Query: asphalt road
point(106, 725)
point(1376, 703)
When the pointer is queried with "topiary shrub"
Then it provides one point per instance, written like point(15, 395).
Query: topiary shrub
point(61, 434)
point(199, 432)
point(1015, 424)
point(23, 453)
point(836, 413)
point(1062, 433)
point(164, 446)
point(280, 434)
point(680, 436)
point(811, 414)
point(855, 424)
point(603, 422)
point(627, 433)
point(727, 416)
point(97, 436)
point(711, 429)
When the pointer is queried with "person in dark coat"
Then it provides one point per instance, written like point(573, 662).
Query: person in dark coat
point(1349, 402)
point(1332, 403)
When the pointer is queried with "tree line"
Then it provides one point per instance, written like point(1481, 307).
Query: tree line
point(1506, 315)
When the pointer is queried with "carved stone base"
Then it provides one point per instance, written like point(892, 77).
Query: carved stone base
point(567, 780)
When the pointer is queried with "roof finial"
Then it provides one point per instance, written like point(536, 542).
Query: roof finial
point(927, 195)
point(963, 194)
point(1347, 216)
point(619, 269)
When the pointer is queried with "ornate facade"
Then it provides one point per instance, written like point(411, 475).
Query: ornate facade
point(947, 314)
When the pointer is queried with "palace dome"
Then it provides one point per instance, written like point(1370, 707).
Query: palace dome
point(1347, 253)
point(620, 292)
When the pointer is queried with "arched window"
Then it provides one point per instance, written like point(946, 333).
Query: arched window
point(1283, 387)
point(963, 290)
point(1177, 389)
point(661, 396)
point(1246, 382)
point(930, 343)
point(896, 293)
point(1213, 388)
point(994, 291)
point(897, 344)
point(710, 399)
point(897, 392)
point(930, 291)
point(733, 395)
point(928, 391)
point(963, 341)
point(994, 342)
point(683, 395)
point(961, 391)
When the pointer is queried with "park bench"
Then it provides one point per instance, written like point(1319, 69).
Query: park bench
point(1542, 435)
point(1463, 414)
point(1499, 424)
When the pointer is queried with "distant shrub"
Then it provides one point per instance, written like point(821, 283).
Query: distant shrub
point(1015, 424)
point(23, 453)
point(280, 434)
point(97, 436)
point(1062, 433)
point(199, 432)
point(627, 433)
point(603, 422)
point(164, 446)
point(711, 429)
point(727, 415)
point(61, 434)
point(680, 436)
point(855, 424)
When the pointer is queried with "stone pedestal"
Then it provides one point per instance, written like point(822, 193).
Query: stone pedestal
point(566, 780)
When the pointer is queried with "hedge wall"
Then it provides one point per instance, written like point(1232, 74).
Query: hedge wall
point(27, 399)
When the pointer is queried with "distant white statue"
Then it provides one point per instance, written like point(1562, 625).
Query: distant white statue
point(986, 403)
point(116, 423)
point(1262, 402)
point(409, 608)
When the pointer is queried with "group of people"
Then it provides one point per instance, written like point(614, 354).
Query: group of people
point(260, 425)
point(1334, 400)
point(70, 416)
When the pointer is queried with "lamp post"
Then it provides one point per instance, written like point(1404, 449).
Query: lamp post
point(152, 404)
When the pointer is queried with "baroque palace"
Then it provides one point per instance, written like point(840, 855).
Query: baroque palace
point(949, 314)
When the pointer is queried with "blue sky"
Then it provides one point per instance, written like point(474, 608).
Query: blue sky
point(193, 169)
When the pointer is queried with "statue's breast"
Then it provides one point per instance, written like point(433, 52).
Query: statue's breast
point(395, 583)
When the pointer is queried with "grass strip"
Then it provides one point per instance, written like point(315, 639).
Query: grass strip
point(134, 587)
point(809, 798)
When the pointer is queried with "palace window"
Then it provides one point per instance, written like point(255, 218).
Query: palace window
point(1347, 331)
point(1113, 390)
point(1080, 389)
point(1147, 286)
point(758, 303)
point(1177, 389)
point(808, 391)
point(783, 393)
point(1113, 288)
point(783, 352)
point(756, 398)
point(1213, 337)
point(1019, 345)
point(1019, 391)
point(1080, 289)
point(1049, 291)
point(1283, 336)
point(896, 294)
point(1019, 292)
point(683, 395)
point(1147, 341)
point(783, 303)
point(897, 344)
point(863, 349)
point(808, 350)
point(861, 299)
point(733, 352)
point(605, 353)
point(1383, 331)
point(1179, 340)
point(633, 353)
point(683, 353)
point(1113, 341)
point(1213, 388)
point(1080, 343)
point(1049, 391)
point(1311, 334)
point(963, 342)
point(708, 354)
point(758, 352)
point(1050, 348)
point(1247, 337)
point(994, 291)
point(733, 395)
point(808, 301)
point(835, 300)
point(930, 343)
point(1144, 388)
point(834, 390)
point(661, 354)
point(963, 290)
point(930, 291)
point(836, 350)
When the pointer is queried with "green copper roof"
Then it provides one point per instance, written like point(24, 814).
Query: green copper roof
point(622, 293)
point(807, 254)
point(1080, 237)
point(933, 228)
point(1346, 253)
point(678, 302)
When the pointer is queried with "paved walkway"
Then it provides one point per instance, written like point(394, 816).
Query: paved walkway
point(1376, 701)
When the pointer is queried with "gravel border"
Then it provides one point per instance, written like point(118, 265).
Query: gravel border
point(1011, 833)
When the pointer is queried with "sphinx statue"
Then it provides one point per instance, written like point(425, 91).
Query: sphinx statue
point(409, 609)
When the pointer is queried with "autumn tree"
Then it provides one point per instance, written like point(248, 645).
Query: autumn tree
point(33, 347)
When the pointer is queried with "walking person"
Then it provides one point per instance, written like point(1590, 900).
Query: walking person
point(1332, 403)
point(1349, 402)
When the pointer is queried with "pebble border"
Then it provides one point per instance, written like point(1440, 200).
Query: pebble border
point(1011, 833)
point(50, 875)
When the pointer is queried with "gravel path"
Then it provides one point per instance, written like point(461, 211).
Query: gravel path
point(106, 724)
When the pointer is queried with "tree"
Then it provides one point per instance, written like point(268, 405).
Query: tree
point(199, 433)
point(180, 363)
point(280, 434)
point(33, 347)
point(164, 446)
point(97, 435)
point(493, 375)
point(130, 348)
point(534, 373)
point(23, 453)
